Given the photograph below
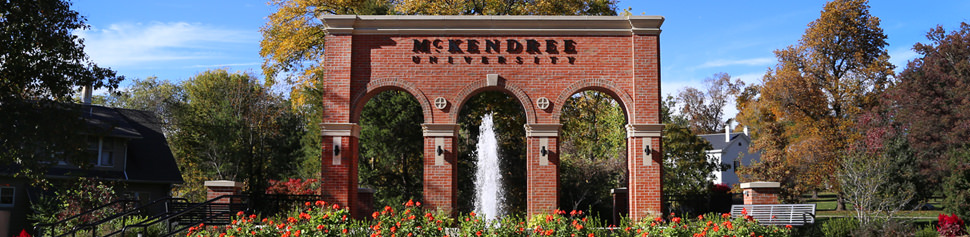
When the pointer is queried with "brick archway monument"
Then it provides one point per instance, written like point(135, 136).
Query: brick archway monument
point(540, 60)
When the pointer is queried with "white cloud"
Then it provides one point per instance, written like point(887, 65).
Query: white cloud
point(901, 56)
point(125, 44)
point(743, 62)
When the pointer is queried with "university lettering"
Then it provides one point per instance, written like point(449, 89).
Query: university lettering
point(532, 47)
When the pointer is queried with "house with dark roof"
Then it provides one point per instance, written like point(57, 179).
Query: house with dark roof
point(731, 151)
point(127, 146)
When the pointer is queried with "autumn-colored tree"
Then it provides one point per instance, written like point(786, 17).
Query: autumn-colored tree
point(813, 94)
point(705, 109)
point(931, 105)
point(937, 86)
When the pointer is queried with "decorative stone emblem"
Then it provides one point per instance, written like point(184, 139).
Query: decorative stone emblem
point(542, 103)
point(440, 103)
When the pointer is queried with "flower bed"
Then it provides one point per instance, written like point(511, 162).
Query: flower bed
point(321, 219)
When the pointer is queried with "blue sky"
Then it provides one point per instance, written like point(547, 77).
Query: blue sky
point(176, 39)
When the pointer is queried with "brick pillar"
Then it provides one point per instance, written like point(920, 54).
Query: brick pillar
point(440, 164)
point(645, 167)
point(216, 188)
point(339, 164)
point(759, 193)
point(542, 189)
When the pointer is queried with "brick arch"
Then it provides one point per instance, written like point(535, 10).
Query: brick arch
point(375, 87)
point(600, 85)
point(474, 88)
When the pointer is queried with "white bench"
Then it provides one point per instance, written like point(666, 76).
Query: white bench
point(778, 214)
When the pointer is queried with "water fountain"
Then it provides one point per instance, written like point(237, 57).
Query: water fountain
point(488, 176)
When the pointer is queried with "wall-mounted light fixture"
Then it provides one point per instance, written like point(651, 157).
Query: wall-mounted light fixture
point(336, 150)
point(647, 150)
point(440, 151)
point(543, 151)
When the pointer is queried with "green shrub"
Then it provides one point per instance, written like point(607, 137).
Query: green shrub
point(839, 227)
point(927, 231)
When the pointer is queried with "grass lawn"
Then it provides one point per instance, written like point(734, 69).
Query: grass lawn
point(827, 202)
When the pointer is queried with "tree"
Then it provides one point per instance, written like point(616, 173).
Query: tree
point(149, 94)
point(687, 169)
point(835, 72)
point(231, 127)
point(41, 64)
point(391, 155)
point(705, 109)
point(936, 86)
point(592, 153)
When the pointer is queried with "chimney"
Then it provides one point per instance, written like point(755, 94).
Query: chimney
point(746, 131)
point(727, 133)
point(86, 92)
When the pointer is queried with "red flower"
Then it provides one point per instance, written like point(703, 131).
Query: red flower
point(375, 215)
point(700, 217)
point(409, 203)
point(726, 215)
point(479, 233)
point(471, 214)
point(744, 211)
point(320, 227)
point(336, 206)
point(675, 219)
point(788, 226)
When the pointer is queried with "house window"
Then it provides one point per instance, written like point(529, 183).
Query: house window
point(105, 150)
point(6, 196)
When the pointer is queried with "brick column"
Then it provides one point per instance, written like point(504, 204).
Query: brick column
point(645, 167)
point(339, 164)
point(542, 189)
point(440, 164)
point(761, 193)
point(216, 188)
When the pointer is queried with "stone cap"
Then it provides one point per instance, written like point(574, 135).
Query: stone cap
point(439, 129)
point(542, 129)
point(490, 25)
point(223, 183)
point(760, 184)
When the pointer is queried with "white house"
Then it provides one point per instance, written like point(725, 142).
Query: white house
point(730, 150)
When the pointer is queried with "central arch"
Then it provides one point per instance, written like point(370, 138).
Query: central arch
point(540, 60)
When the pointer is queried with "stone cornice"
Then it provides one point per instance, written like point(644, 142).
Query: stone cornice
point(339, 130)
point(491, 25)
point(542, 129)
point(439, 129)
point(644, 130)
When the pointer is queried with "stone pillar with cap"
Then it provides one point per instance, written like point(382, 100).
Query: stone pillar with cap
point(542, 167)
point(645, 167)
point(440, 166)
point(218, 188)
point(339, 163)
point(761, 193)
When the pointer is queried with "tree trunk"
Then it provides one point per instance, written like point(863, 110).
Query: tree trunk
point(841, 202)
point(815, 194)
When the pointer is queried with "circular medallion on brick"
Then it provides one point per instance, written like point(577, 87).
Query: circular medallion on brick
point(542, 103)
point(440, 103)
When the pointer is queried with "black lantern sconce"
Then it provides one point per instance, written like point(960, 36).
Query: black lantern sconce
point(543, 151)
point(440, 151)
point(647, 150)
point(336, 150)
